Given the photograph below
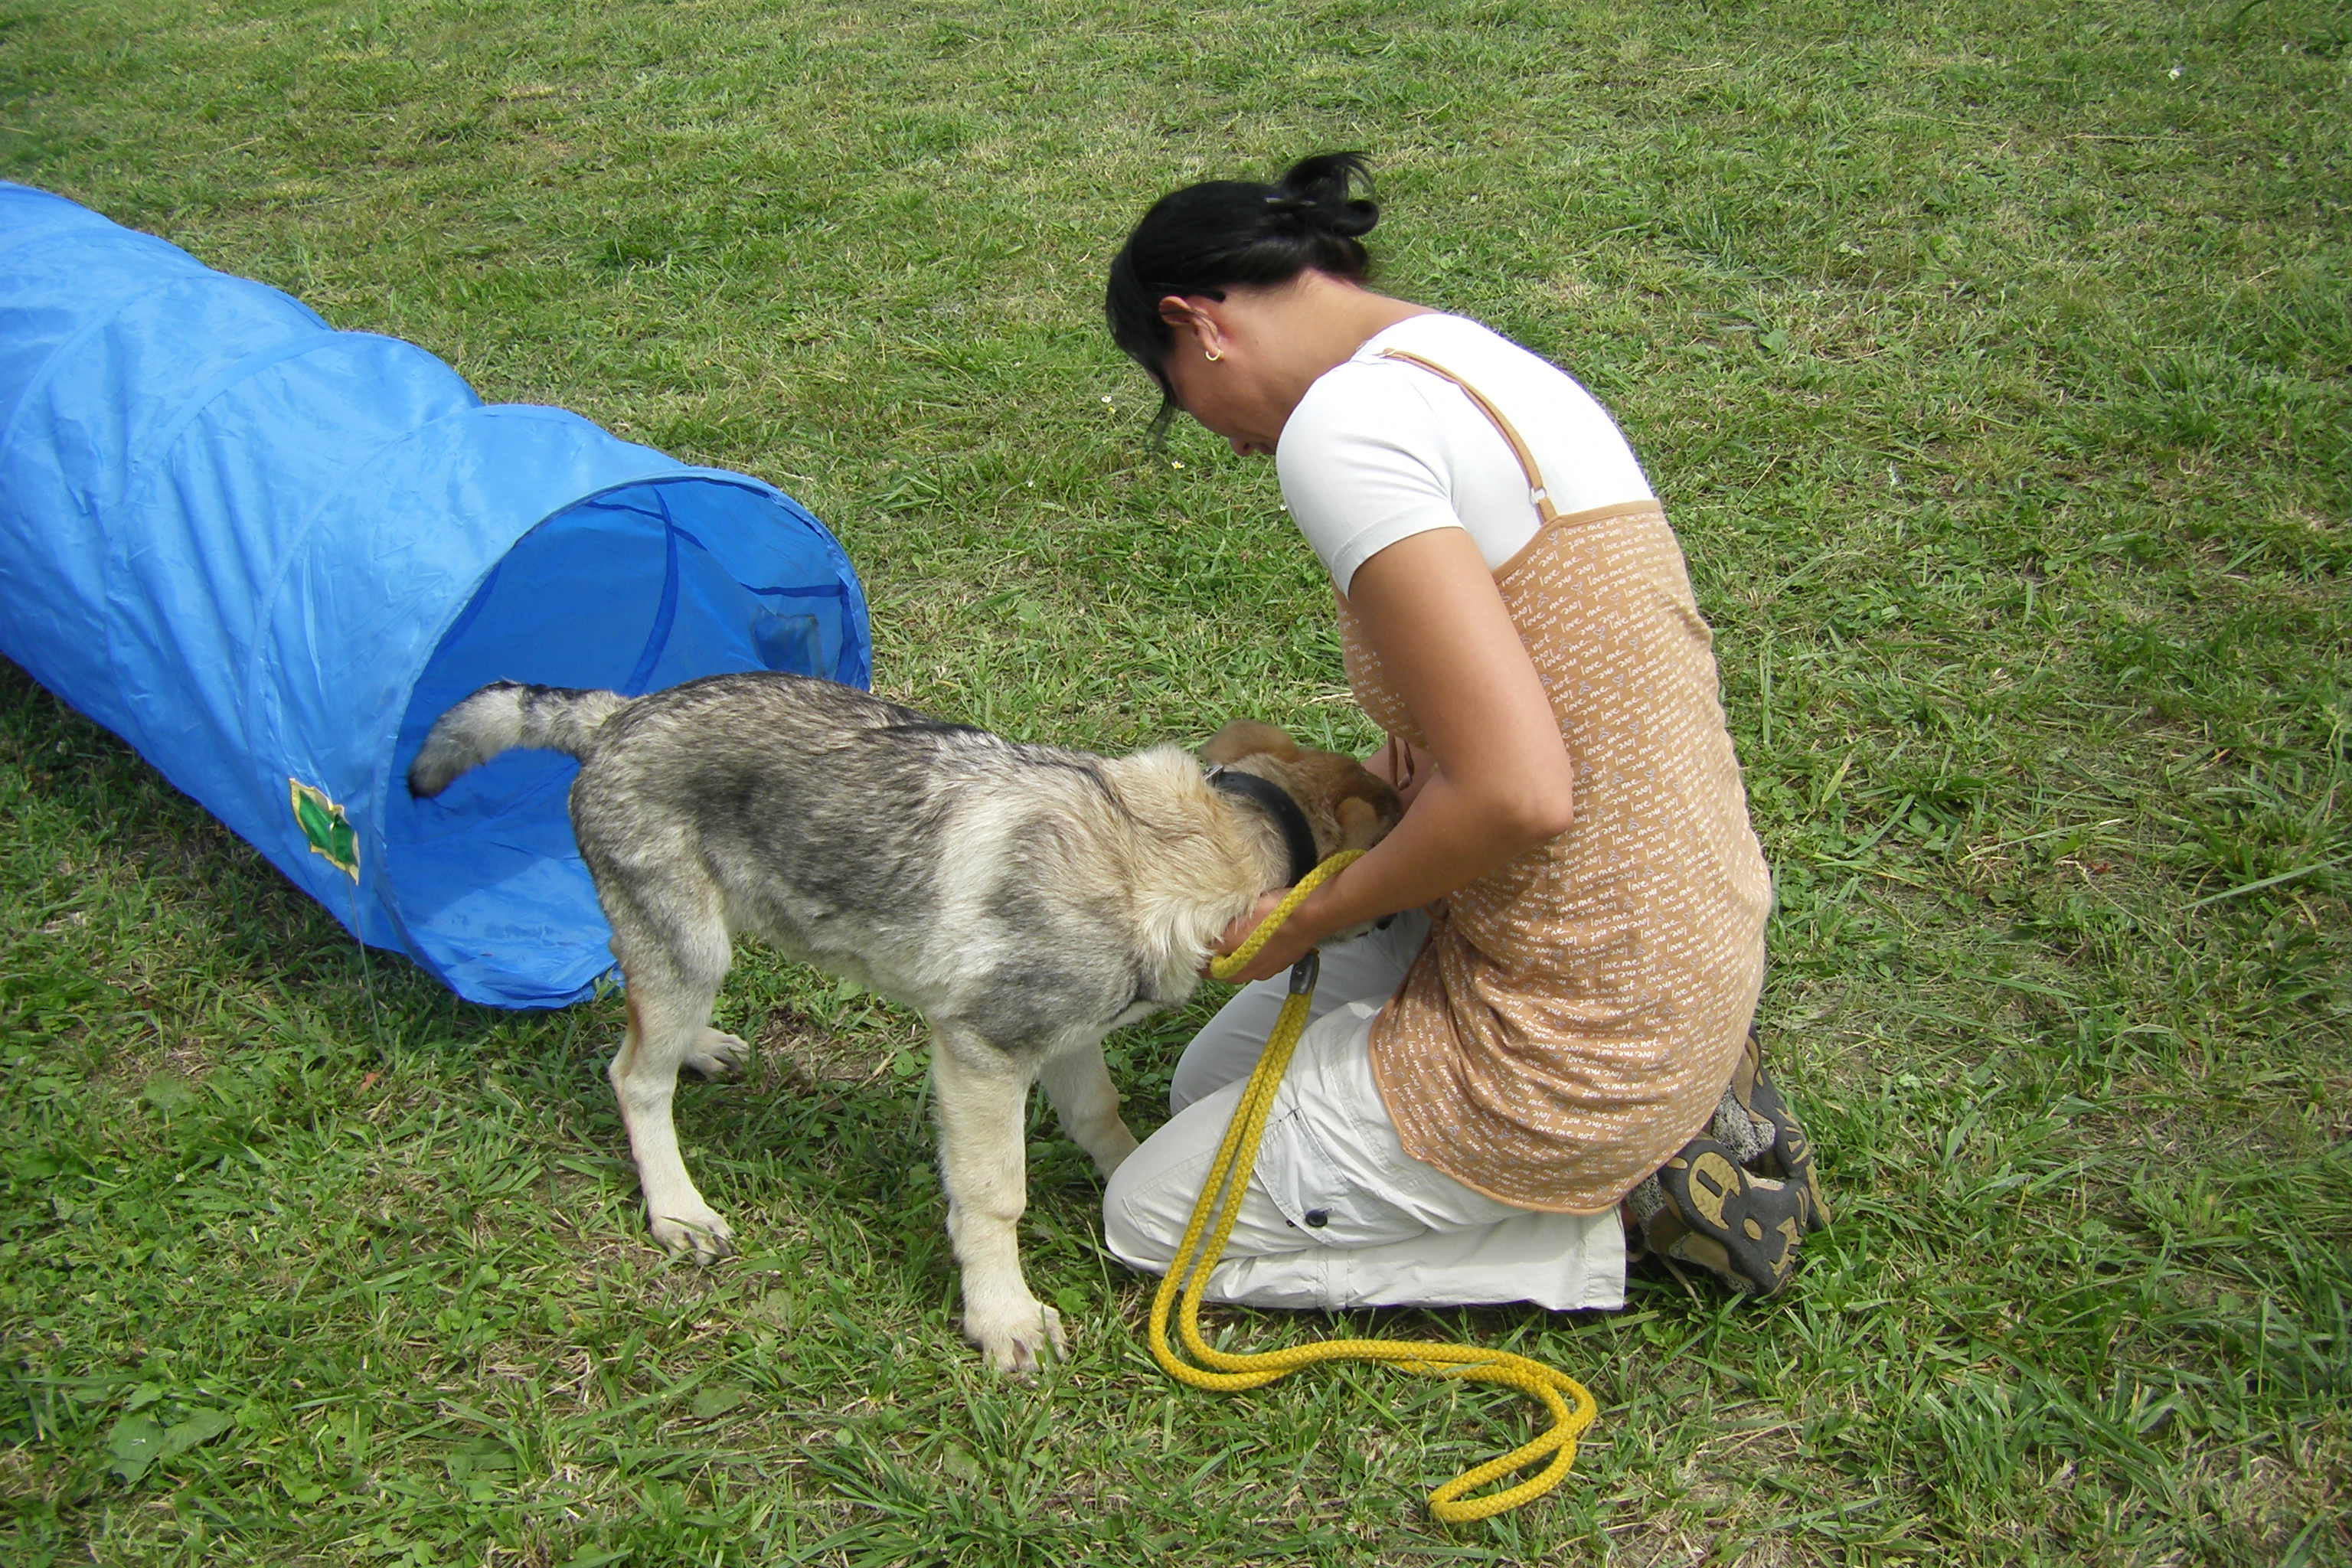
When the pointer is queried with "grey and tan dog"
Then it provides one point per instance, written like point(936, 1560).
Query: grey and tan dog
point(1026, 899)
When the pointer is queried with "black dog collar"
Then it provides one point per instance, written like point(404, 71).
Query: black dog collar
point(1276, 802)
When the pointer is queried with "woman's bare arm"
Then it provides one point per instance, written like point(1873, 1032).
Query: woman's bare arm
point(1497, 780)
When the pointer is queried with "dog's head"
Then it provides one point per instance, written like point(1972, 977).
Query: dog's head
point(1346, 806)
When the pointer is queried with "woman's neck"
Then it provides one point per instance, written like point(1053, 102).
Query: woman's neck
point(1316, 322)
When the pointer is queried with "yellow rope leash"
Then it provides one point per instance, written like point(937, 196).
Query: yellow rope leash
point(1221, 1198)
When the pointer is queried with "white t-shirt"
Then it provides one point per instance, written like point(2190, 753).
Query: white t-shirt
point(1379, 450)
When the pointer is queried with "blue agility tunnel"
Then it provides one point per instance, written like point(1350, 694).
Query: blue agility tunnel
point(269, 553)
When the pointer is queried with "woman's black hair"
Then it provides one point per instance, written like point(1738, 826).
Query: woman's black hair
point(1206, 238)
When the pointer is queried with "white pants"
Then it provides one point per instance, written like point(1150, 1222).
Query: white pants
point(1337, 1213)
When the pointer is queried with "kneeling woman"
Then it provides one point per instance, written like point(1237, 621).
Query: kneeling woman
point(1549, 1048)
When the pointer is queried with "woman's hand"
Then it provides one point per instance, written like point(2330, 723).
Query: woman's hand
point(1285, 948)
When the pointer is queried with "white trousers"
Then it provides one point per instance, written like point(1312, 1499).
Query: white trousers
point(1337, 1213)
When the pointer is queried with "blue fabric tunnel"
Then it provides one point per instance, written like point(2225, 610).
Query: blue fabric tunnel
point(268, 554)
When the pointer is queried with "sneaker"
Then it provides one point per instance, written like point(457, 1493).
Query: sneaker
point(1788, 1153)
point(1703, 1209)
point(1738, 1200)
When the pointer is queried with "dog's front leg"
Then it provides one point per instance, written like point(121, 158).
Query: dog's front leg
point(983, 1093)
point(1086, 1101)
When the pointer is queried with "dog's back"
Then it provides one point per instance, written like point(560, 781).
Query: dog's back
point(948, 867)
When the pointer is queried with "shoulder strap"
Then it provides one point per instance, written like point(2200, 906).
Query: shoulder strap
point(1536, 492)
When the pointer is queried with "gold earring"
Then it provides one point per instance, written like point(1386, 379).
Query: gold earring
point(1215, 356)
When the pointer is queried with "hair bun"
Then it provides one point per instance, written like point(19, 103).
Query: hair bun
point(1305, 214)
point(1318, 192)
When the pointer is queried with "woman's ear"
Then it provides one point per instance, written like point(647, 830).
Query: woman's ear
point(1191, 316)
point(1178, 312)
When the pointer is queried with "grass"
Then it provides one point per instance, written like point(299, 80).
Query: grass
point(1993, 361)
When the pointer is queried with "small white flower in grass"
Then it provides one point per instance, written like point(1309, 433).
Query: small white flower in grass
point(2174, 73)
point(1175, 462)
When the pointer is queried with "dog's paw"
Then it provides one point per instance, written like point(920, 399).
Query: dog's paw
point(1017, 1341)
point(718, 1056)
point(702, 1234)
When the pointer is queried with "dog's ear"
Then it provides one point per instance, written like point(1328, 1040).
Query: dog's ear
point(1247, 738)
point(1361, 824)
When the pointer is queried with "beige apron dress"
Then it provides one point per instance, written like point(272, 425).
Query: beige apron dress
point(1576, 1013)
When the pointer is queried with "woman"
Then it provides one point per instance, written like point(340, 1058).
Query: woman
point(1534, 1054)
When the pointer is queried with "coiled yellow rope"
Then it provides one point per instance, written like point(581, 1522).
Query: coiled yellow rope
point(1213, 1215)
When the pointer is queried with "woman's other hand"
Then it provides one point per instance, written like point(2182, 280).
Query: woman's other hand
point(1283, 948)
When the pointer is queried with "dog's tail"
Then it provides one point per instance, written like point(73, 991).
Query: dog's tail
point(503, 717)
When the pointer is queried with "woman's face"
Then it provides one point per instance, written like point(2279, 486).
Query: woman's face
point(1220, 396)
point(1235, 395)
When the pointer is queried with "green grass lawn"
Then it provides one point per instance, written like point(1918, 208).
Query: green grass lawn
point(1992, 359)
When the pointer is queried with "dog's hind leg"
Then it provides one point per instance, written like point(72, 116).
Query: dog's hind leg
point(670, 993)
point(1087, 1103)
point(981, 1095)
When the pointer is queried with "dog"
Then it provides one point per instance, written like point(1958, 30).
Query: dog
point(1027, 899)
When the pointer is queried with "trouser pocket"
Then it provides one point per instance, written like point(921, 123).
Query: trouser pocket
point(1330, 1196)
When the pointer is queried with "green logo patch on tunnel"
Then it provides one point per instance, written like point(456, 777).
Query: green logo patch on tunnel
point(327, 829)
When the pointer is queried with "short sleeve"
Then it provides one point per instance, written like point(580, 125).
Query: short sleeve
point(1360, 466)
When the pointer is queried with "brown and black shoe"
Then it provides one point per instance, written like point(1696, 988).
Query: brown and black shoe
point(1738, 1200)
point(1712, 1213)
point(1787, 1155)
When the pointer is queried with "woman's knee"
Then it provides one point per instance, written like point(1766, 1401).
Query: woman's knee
point(1225, 1050)
point(1198, 1074)
point(1145, 1208)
